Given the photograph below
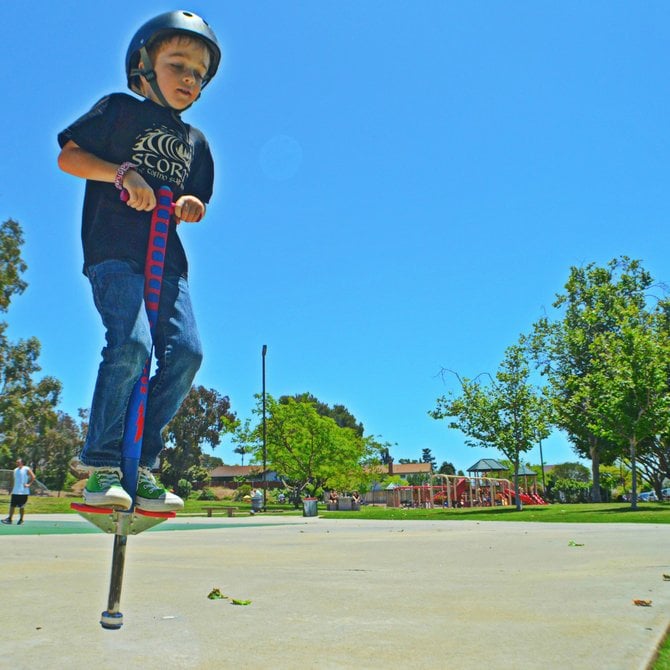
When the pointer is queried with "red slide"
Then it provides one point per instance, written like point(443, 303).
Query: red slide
point(525, 499)
point(461, 486)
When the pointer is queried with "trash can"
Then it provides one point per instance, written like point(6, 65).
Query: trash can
point(309, 506)
point(256, 503)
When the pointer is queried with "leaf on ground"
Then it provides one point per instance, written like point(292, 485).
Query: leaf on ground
point(234, 601)
point(642, 603)
point(215, 594)
point(572, 543)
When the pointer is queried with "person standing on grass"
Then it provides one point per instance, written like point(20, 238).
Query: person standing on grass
point(23, 478)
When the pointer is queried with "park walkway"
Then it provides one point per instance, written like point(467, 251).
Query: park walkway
point(337, 594)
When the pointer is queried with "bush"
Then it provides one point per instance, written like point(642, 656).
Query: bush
point(207, 494)
point(242, 490)
point(53, 480)
point(184, 488)
point(569, 491)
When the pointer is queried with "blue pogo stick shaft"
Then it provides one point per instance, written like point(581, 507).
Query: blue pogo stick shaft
point(153, 278)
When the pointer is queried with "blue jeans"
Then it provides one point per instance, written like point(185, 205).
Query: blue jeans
point(118, 292)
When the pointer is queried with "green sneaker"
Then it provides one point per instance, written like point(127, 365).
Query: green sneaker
point(103, 489)
point(154, 498)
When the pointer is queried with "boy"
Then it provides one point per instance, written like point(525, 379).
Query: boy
point(23, 478)
point(138, 146)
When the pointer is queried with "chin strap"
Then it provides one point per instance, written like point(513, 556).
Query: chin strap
point(150, 75)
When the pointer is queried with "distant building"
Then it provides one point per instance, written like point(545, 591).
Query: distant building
point(407, 469)
point(404, 470)
point(229, 476)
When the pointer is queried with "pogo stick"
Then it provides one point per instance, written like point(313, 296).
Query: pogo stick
point(135, 520)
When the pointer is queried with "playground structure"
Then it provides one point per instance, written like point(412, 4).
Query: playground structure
point(460, 491)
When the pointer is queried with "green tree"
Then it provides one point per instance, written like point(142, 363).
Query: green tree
point(654, 458)
point(631, 380)
point(12, 265)
point(510, 414)
point(210, 462)
point(653, 465)
point(27, 405)
point(427, 457)
point(248, 437)
point(338, 413)
point(385, 453)
point(590, 307)
point(308, 450)
point(61, 443)
point(242, 451)
point(573, 470)
point(202, 418)
point(447, 468)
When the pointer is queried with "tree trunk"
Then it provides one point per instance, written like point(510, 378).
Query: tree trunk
point(595, 470)
point(519, 505)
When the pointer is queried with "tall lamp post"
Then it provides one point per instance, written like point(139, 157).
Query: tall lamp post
point(544, 486)
point(265, 449)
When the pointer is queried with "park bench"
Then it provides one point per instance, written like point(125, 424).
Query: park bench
point(230, 510)
point(347, 504)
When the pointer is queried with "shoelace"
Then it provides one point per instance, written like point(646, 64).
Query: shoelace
point(108, 478)
point(145, 477)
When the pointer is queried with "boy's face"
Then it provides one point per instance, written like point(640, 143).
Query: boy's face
point(180, 65)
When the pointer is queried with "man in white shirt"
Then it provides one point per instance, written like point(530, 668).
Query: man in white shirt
point(23, 478)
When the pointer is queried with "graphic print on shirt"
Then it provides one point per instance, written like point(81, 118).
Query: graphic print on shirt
point(160, 153)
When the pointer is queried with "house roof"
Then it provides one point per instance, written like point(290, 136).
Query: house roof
point(400, 468)
point(411, 468)
point(526, 471)
point(487, 465)
point(230, 471)
point(235, 470)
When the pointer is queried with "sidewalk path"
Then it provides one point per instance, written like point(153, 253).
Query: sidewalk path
point(337, 594)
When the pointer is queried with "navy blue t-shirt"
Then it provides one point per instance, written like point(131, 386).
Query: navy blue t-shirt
point(167, 152)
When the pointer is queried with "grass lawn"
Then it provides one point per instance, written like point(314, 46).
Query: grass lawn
point(53, 505)
point(578, 513)
point(663, 660)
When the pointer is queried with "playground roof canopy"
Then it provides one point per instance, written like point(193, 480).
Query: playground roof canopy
point(487, 465)
point(525, 471)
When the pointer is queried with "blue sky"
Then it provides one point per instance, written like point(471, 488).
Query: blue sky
point(402, 186)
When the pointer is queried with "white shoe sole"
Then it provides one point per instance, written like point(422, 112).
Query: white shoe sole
point(108, 499)
point(158, 505)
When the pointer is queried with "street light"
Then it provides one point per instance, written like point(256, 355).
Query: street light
point(544, 486)
point(265, 449)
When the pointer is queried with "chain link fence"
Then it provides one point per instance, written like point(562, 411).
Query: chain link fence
point(7, 481)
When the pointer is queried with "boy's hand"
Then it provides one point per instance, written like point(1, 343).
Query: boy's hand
point(189, 208)
point(140, 195)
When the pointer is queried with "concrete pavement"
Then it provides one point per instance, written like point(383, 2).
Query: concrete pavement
point(336, 594)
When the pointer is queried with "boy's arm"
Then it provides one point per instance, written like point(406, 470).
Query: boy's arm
point(191, 206)
point(81, 163)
